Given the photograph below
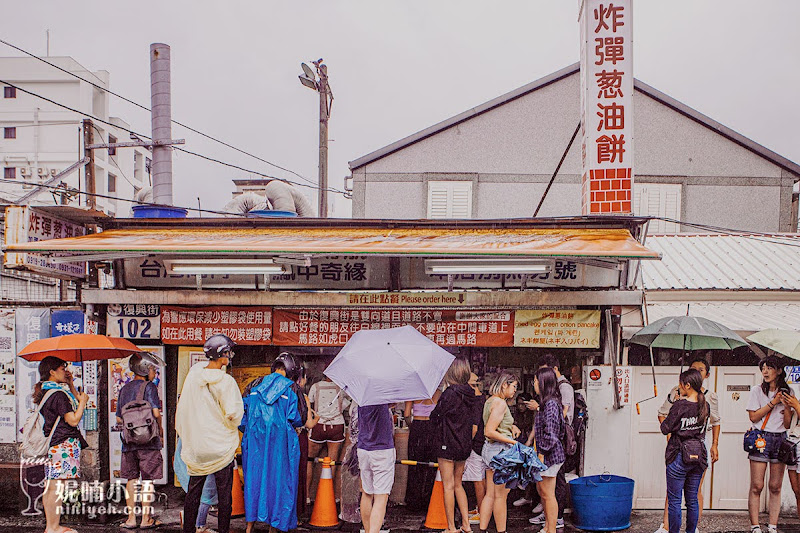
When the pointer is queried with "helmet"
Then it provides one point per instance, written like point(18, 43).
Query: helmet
point(292, 365)
point(217, 344)
point(140, 363)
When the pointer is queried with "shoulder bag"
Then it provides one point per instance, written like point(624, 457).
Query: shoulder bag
point(755, 439)
point(693, 450)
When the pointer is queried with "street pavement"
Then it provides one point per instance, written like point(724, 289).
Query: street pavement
point(399, 520)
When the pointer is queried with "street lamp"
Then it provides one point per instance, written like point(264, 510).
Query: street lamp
point(319, 82)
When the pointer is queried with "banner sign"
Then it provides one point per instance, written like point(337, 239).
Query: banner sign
point(245, 325)
point(27, 224)
point(31, 325)
point(333, 327)
point(564, 328)
point(8, 353)
point(131, 321)
point(67, 322)
point(344, 273)
point(118, 375)
point(606, 106)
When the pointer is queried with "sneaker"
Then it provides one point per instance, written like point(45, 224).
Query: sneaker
point(772, 529)
point(755, 529)
point(538, 519)
point(475, 518)
point(661, 529)
point(538, 509)
point(522, 501)
point(559, 525)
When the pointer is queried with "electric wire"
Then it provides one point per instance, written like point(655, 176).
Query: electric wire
point(194, 130)
point(113, 159)
point(108, 197)
point(98, 119)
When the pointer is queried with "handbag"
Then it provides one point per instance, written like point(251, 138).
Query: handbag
point(755, 440)
point(693, 450)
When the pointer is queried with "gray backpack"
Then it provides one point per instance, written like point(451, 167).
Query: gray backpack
point(35, 444)
point(139, 426)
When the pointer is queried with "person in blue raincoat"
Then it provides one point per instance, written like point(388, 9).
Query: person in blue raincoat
point(270, 450)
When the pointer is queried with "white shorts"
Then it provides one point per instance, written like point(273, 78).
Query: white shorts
point(795, 468)
point(552, 471)
point(377, 470)
point(474, 468)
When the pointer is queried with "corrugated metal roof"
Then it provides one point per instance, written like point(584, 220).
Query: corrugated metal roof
point(723, 262)
point(739, 316)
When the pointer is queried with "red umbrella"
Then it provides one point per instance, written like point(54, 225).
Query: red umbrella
point(79, 347)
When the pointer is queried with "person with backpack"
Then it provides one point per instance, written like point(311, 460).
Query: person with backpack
point(712, 430)
point(455, 422)
point(567, 395)
point(207, 418)
point(549, 428)
point(329, 402)
point(139, 415)
point(686, 456)
point(61, 406)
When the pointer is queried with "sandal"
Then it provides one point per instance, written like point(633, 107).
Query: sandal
point(156, 524)
point(127, 526)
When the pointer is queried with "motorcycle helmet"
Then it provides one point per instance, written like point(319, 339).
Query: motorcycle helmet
point(291, 364)
point(217, 345)
point(141, 363)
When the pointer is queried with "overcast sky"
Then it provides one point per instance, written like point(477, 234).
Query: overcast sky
point(399, 67)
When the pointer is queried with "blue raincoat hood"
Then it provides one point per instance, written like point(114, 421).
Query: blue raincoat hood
point(272, 387)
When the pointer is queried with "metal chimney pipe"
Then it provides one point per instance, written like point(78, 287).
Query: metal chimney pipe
point(161, 118)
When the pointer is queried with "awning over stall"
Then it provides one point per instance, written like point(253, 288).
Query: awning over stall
point(586, 243)
point(738, 316)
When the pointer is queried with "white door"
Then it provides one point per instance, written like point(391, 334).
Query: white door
point(648, 443)
point(732, 472)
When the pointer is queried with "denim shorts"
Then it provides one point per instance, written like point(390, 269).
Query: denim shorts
point(492, 448)
point(770, 452)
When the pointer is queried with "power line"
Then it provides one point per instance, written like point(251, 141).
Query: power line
point(107, 197)
point(109, 91)
point(114, 160)
point(148, 137)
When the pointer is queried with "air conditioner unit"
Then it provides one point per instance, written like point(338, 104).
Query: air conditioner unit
point(25, 172)
point(42, 172)
point(53, 172)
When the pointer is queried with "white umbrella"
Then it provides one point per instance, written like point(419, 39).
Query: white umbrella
point(389, 365)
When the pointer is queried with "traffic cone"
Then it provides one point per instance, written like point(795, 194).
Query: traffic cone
point(436, 517)
point(237, 509)
point(324, 515)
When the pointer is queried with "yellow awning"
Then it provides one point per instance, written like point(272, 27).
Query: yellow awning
point(596, 243)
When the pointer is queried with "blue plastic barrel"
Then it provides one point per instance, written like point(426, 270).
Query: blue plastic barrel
point(158, 211)
point(271, 213)
point(602, 503)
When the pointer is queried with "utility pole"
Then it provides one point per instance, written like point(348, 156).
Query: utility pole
point(322, 86)
point(88, 141)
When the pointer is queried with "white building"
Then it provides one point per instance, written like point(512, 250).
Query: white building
point(41, 139)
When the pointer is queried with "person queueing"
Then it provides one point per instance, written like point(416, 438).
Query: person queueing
point(351, 481)
point(207, 418)
point(567, 395)
point(500, 433)
point(454, 424)
point(713, 429)
point(376, 457)
point(548, 431)
point(270, 446)
point(63, 407)
point(141, 461)
point(420, 448)
point(768, 412)
point(686, 426)
point(329, 402)
point(208, 496)
point(302, 435)
point(474, 467)
point(793, 437)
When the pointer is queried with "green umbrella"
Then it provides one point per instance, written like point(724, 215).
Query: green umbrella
point(687, 333)
point(784, 341)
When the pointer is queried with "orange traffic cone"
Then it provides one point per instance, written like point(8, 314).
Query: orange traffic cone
point(324, 515)
point(237, 494)
point(436, 517)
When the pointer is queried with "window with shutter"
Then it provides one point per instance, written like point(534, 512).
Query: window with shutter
point(449, 199)
point(658, 200)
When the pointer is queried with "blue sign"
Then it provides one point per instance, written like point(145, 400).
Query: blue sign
point(66, 322)
point(792, 374)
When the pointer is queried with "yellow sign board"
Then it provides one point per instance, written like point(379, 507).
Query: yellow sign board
point(552, 328)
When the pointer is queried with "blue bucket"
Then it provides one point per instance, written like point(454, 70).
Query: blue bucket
point(271, 213)
point(158, 211)
point(602, 503)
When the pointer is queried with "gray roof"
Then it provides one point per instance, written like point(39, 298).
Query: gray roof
point(561, 74)
point(740, 262)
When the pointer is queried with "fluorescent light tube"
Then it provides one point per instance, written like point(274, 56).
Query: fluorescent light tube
point(485, 266)
point(224, 266)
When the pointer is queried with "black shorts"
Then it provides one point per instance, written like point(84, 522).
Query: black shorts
point(322, 433)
